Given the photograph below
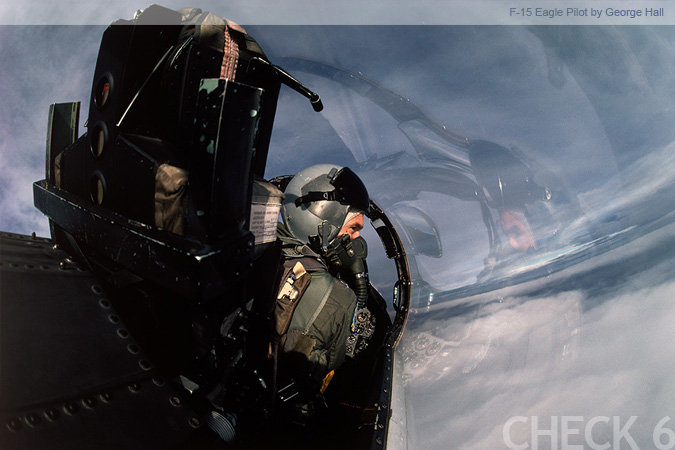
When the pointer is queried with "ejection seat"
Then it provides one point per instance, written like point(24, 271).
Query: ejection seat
point(161, 197)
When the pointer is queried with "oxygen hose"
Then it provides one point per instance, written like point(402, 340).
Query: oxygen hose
point(360, 271)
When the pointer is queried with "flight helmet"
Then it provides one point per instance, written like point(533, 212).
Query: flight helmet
point(318, 201)
point(507, 180)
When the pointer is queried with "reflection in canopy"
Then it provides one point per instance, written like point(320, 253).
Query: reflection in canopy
point(470, 138)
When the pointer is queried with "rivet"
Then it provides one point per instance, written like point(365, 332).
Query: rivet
point(194, 422)
point(52, 414)
point(71, 408)
point(14, 424)
point(33, 419)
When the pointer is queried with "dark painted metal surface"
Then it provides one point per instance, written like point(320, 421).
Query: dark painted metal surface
point(71, 373)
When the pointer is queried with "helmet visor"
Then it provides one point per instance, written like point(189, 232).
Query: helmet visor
point(351, 190)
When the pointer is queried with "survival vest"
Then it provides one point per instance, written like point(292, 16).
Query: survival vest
point(295, 279)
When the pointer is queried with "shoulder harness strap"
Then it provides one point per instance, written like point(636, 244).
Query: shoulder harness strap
point(331, 283)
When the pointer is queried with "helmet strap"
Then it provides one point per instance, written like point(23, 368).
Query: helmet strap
point(315, 196)
point(320, 242)
point(326, 230)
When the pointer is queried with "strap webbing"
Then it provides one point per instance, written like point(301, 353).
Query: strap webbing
point(331, 283)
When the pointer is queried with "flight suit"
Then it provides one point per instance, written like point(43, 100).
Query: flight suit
point(317, 335)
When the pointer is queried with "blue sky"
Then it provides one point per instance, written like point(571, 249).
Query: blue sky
point(55, 64)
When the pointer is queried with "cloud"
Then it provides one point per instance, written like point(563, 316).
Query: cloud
point(43, 65)
point(640, 194)
point(572, 353)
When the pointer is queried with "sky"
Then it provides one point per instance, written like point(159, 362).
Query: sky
point(352, 12)
point(55, 64)
point(583, 340)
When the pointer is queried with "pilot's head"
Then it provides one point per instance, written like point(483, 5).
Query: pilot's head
point(508, 184)
point(325, 201)
point(353, 225)
point(517, 228)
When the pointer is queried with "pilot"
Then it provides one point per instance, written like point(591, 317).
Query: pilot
point(323, 215)
point(508, 184)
